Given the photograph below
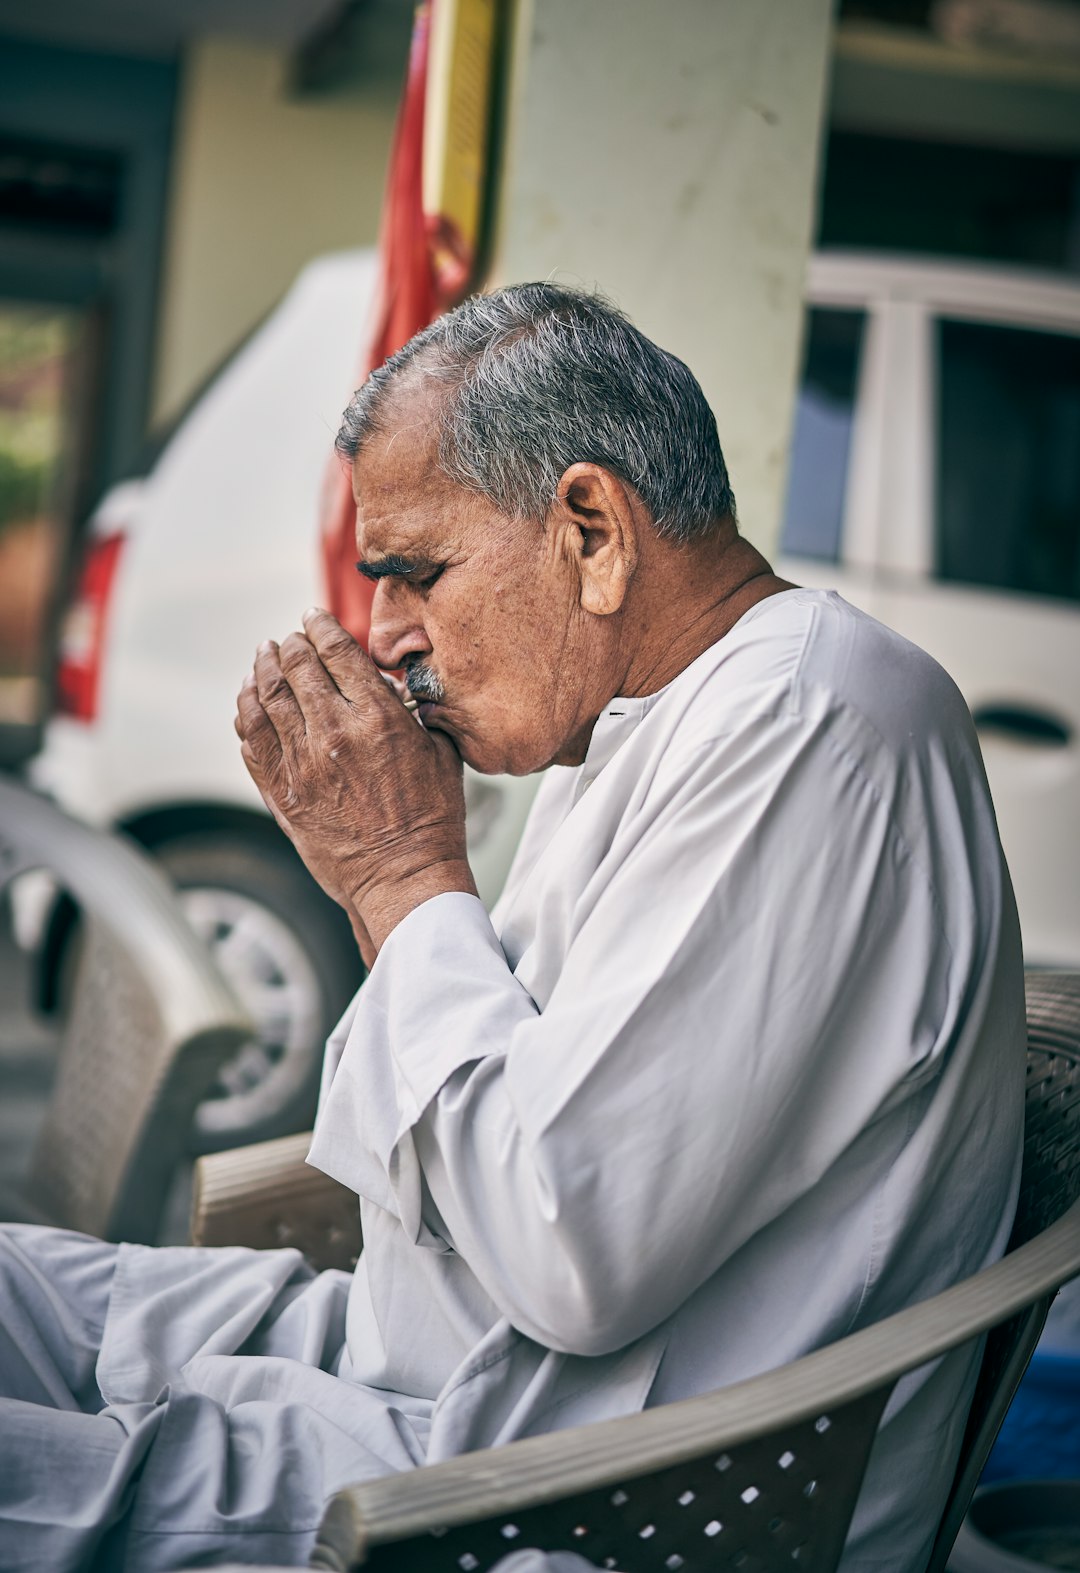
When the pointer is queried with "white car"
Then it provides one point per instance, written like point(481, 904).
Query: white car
point(935, 481)
point(185, 572)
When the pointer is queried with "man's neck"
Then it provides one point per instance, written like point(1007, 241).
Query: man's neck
point(707, 589)
point(680, 608)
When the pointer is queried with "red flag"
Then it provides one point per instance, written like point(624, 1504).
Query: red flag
point(406, 302)
point(433, 216)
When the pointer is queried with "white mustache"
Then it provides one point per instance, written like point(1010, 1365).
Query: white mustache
point(423, 684)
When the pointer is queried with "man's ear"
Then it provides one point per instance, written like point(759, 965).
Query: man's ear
point(597, 518)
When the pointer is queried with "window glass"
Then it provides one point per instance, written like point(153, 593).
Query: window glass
point(1008, 483)
point(821, 439)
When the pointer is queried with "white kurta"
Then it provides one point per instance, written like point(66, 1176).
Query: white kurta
point(734, 1068)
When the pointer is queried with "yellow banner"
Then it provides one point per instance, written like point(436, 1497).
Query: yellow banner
point(457, 124)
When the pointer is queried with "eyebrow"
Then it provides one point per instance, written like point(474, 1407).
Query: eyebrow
point(393, 565)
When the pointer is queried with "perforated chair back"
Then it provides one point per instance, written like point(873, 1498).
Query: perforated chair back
point(150, 1023)
point(1050, 1182)
point(763, 1475)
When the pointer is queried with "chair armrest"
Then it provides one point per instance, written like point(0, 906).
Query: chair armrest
point(848, 1380)
point(267, 1196)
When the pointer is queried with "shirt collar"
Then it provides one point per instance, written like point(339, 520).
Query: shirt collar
point(618, 719)
point(621, 717)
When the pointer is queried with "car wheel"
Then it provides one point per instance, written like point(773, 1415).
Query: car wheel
point(289, 954)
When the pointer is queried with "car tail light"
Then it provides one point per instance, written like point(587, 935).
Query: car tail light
point(82, 637)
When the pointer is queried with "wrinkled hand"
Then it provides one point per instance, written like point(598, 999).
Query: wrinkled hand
point(372, 802)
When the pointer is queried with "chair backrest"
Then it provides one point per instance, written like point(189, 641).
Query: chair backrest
point(766, 1474)
point(1049, 1183)
point(151, 1021)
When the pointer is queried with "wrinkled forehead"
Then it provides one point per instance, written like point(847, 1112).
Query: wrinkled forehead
point(402, 448)
point(405, 504)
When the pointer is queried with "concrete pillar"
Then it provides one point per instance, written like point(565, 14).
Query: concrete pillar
point(668, 152)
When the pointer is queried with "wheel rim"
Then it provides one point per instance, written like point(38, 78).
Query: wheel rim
point(275, 981)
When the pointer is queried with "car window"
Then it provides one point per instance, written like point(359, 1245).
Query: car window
point(821, 439)
point(1008, 471)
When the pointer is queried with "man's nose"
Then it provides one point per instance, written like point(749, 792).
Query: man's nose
point(394, 634)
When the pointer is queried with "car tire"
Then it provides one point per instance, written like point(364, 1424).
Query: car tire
point(289, 953)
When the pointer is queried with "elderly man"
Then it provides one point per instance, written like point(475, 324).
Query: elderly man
point(733, 1068)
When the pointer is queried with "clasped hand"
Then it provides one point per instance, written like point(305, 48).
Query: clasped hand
point(372, 802)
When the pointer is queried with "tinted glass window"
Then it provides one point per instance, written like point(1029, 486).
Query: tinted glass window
point(821, 440)
point(1009, 459)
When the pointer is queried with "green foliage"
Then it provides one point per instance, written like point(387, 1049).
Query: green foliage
point(34, 347)
point(22, 487)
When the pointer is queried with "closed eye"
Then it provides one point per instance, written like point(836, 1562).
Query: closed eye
point(421, 574)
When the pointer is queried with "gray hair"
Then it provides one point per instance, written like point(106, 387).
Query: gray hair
point(539, 378)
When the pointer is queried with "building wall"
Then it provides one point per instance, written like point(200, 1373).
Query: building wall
point(263, 180)
point(668, 153)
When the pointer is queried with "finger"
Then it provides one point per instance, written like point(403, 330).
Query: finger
point(255, 771)
point(254, 726)
point(354, 672)
point(275, 695)
point(313, 688)
point(238, 724)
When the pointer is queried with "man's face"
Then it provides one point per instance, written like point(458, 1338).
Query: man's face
point(482, 612)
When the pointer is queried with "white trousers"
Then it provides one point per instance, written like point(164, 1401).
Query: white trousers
point(180, 1482)
point(74, 1470)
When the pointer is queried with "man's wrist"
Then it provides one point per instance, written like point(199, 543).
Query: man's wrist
point(383, 906)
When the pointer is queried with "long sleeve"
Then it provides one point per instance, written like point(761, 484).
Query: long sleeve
point(752, 973)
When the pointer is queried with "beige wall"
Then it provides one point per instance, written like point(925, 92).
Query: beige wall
point(262, 182)
point(669, 153)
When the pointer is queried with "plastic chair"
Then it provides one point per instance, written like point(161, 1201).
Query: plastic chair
point(762, 1475)
point(267, 1195)
point(150, 1023)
